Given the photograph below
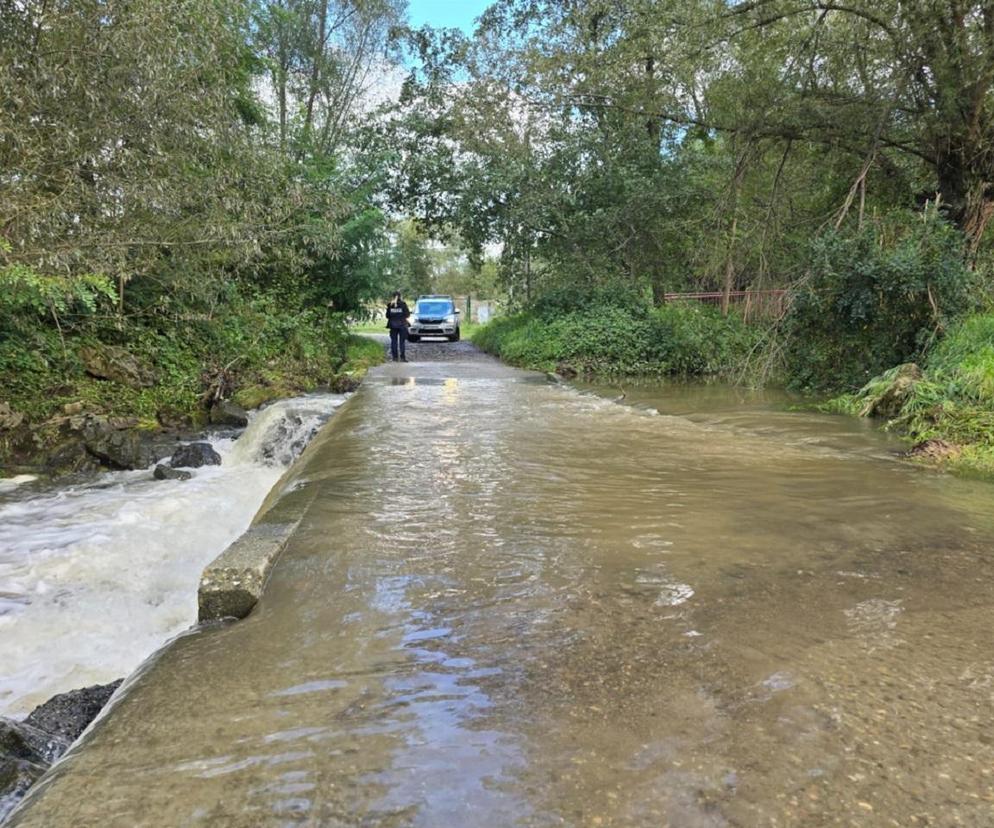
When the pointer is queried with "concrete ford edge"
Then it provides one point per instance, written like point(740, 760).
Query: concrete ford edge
point(434, 315)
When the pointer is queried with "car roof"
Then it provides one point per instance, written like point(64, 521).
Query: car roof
point(435, 296)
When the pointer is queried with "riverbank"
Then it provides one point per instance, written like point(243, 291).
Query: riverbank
point(945, 408)
point(612, 336)
point(100, 405)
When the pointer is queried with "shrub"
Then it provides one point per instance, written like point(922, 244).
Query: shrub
point(875, 299)
point(953, 401)
point(605, 338)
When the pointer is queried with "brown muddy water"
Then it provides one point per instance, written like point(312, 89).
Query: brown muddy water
point(513, 603)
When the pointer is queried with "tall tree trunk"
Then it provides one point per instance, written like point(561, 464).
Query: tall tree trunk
point(317, 59)
point(968, 196)
point(729, 267)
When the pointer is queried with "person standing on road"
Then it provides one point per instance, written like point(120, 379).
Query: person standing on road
point(397, 321)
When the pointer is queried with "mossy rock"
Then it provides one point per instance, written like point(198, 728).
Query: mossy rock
point(253, 396)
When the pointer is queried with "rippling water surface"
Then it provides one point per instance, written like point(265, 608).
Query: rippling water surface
point(94, 576)
point(517, 603)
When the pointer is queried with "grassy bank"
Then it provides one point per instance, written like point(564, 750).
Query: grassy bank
point(166, 373)
point(946, 408)
point(612, 339)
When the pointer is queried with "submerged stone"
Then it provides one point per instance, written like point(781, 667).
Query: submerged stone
point(166, 473)
point(67, 715)
point(28, 748)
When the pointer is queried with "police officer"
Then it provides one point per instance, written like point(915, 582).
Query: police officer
point(397, 315)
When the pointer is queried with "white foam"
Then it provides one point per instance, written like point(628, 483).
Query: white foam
point(95, 577)
point(8, 484)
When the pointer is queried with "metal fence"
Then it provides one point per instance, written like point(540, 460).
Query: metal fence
point(755, 305)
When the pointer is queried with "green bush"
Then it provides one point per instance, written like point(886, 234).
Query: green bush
point(875, 299)
point(264, 344)
point(605, 338)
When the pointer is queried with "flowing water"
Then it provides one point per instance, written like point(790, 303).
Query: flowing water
point(95, 576)
point(514, 603)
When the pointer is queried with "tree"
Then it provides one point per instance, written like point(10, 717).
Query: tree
point(889, 76)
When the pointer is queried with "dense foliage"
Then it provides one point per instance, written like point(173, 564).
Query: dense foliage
point(680, 144)
point(601, 331)
point(875, 298)
point(187, 182)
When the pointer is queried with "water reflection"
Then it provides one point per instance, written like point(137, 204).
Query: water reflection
point(513, 603)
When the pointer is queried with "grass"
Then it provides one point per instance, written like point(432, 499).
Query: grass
point(953, 401)
point(612, 340)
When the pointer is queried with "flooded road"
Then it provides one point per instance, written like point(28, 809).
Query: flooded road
point(515, 603)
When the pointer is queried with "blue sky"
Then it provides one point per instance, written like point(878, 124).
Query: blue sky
point(448, 13)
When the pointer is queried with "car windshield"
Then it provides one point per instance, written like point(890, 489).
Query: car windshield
point(434, 308)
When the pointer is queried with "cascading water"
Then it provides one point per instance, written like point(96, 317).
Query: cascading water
point(95, 576)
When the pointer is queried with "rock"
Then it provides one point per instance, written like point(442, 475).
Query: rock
point(285, 441)
point(22, 761)
point(255, 395)
point(22, 740)
point(344, 383)
point(9, 419)
point(180, 420)
point(70, 457)
point(227, 413)
point(67, 715)
point(116, 444)
point(117, 365)
point(934, 450)
point(886, 395)
point(165, 473)
point(195, 455)
point(73, 408)
point(566, 371)
point(28, 748)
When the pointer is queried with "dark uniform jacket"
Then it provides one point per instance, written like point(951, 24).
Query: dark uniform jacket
point(397, 316)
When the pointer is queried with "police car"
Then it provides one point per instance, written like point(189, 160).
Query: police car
point(434, 315)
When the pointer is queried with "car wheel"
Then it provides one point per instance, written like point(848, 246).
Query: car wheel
point(455, 336)
point(414, 337)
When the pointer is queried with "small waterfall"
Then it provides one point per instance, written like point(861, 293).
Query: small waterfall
point(95, 576)
point(279, 433)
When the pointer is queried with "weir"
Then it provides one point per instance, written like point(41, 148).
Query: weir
point(97, 574)
point(510, 603)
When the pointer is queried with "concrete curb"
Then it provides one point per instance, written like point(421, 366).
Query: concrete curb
point(233, 582)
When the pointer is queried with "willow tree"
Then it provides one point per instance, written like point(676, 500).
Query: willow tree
point(126, 138)
point(322, 60)
point(911, 77)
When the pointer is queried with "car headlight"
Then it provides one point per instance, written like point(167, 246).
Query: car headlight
point(451, 319)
